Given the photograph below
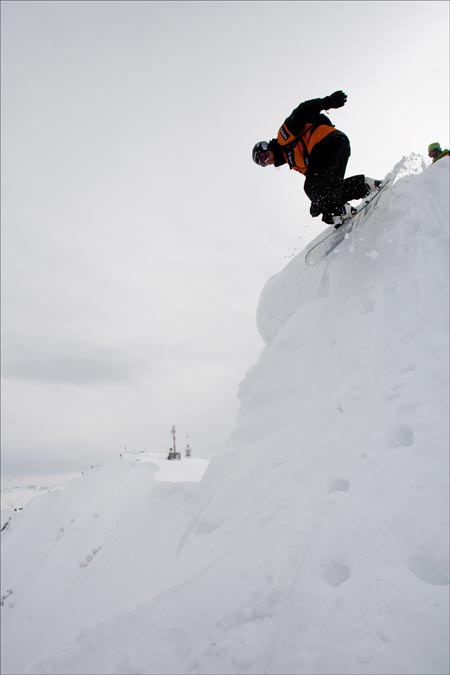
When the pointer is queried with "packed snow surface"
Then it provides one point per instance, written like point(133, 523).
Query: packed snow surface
point(317, 540)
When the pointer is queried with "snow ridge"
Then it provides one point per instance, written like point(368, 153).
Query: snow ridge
point(317, 541)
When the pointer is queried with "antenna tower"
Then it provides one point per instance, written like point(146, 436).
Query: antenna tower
point(173, 436)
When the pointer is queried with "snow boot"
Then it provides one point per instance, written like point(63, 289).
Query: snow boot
point(345, 212)
point(371, 185)
point(315, 209)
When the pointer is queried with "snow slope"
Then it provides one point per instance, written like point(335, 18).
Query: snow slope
point(76, 555)
point(317, 542)
point(15, 493)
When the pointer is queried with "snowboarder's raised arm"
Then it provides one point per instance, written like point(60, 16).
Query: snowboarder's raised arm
point(308, 110)
point(336, 100)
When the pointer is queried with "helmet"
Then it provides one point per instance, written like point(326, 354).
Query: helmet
point(434, 146)
point(260, 147)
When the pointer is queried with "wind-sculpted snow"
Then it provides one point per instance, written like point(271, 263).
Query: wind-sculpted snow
point(318, 542)
point(299, 284)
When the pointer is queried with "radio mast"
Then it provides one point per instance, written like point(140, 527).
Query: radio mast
point(173, 436)
point(173, 454)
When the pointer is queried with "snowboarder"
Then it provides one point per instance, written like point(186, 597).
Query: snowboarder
point(309, 143)
point(435, 152)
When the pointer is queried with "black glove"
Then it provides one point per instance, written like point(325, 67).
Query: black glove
point(335, 100)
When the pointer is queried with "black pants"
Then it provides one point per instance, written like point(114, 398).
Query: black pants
point(325, 184)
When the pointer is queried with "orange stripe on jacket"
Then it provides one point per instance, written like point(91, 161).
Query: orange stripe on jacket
point(310, 136)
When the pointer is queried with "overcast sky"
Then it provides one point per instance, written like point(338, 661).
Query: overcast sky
point(137, 233)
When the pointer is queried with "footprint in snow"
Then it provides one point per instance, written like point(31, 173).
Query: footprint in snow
point(335, 573)
point(430, 571)
point(339, 485)
point(401, 436)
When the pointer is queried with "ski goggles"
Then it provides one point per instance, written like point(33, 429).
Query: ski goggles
point(263, 157)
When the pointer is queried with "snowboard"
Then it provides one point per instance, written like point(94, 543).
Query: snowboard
point(332, 237)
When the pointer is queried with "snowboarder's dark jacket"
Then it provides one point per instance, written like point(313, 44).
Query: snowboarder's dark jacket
point(300, 133)
point(442, 154)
